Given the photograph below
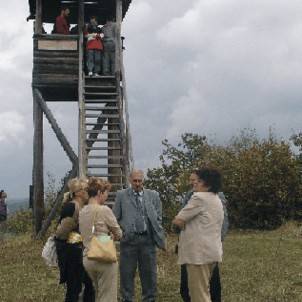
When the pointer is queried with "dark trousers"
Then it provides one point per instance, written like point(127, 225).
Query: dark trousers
point(72, 272)
point(140, 253)
point(215, 285)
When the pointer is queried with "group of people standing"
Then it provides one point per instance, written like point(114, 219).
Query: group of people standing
point(100, 42)
point(136, 221)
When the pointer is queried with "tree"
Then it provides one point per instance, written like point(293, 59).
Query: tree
point(261, 177)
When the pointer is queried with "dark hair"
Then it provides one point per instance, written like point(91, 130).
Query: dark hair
point(64, 7)
point(96, 184)
point(211, 178)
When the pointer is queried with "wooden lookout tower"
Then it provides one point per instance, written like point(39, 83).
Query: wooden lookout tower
point(104, 142)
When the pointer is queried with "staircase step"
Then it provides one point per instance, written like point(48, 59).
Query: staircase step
point(104, 175)
point(108, 77)
point(104, 139)
point(95, 108)
point(104, 157)
point(100, 101)
point(103, 148)
point(99, 87)
point(100, 93)
point(95, 166)
point(105, 124)
point(104, 131)
point(91, 115)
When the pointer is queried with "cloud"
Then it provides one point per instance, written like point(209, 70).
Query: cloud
point(207, 66)
point(12, 128)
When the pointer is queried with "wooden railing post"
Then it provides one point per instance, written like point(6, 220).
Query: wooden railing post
point(38, 177)
point(82, 135)
point(115, 153)
point(38, 21)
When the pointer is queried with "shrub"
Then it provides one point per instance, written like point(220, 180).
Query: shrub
point(261, 177)
point(20, 222)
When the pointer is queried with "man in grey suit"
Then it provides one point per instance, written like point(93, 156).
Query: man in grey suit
point(139, 213)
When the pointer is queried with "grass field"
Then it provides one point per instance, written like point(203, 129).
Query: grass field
point(258, 267)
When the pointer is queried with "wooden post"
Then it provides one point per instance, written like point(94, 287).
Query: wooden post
point(116, 153)
point(38, 22)
point(82, 133)
point(38, 179)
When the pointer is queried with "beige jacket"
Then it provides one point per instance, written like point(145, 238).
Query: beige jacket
point(103, 220)
point(200, 241)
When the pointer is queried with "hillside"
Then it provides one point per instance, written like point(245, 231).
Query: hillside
point(257, 267)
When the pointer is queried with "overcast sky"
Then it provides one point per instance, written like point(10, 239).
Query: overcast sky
point(207, 66)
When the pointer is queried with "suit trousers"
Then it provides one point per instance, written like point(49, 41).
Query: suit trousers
point(104, 278)
point(141, 253)
point(199, 281)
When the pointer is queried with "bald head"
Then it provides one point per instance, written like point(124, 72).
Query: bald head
point(137, 180)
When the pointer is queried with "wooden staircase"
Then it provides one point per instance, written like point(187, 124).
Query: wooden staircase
point(104, 135)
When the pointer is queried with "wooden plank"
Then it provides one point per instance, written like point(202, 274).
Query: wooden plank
point(54, 125)
point(82, 135)
point(38, 179)
point(38, 21)
point(114, 147)
point(54, 54)
point(56, 37)
point(57, 60)
point(57, 45)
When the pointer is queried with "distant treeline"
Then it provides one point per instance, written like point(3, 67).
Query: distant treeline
point(15, 205)
point(261, 177)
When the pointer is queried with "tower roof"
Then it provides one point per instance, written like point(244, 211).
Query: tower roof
point(103, 9)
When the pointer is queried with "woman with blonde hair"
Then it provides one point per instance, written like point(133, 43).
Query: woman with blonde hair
point(69, 243)
point(99, 217)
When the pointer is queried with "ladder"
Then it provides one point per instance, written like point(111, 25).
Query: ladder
point(105, 139)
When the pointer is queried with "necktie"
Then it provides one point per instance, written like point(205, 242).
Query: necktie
point(140, 224)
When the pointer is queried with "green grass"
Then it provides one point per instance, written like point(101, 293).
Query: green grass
point(258, 267)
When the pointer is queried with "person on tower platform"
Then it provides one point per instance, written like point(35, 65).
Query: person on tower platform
point(94, 47)
point(62, 24)
point(109, 31)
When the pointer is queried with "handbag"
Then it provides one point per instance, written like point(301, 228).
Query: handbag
point(101, 248)
point(49, 252)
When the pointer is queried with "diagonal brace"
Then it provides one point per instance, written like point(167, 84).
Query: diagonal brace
point(59, 134)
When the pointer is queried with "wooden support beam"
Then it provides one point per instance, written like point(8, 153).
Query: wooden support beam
point(57, 130)
point(114, 153)
point(82, 136)
point(38, 179)
point(38, 22)
point(57, 203)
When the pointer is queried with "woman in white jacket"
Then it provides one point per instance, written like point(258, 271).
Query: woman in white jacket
point(200, 246)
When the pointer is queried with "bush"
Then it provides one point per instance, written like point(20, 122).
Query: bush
point(261, 177)
point(20, 222)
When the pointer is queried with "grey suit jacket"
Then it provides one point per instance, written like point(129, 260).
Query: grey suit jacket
point(125, 207)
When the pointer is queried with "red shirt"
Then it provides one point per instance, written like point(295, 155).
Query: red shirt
point(95, 43)
point(62, 26)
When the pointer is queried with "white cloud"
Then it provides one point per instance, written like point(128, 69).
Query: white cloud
point(12, 128)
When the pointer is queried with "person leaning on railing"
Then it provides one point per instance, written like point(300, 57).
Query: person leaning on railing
point(62, 25)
